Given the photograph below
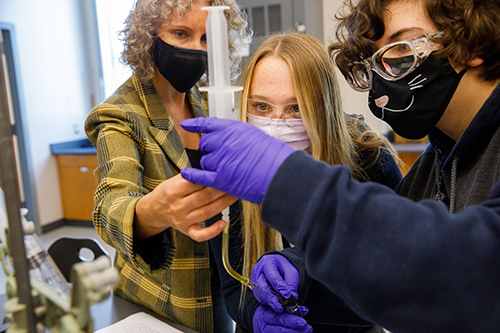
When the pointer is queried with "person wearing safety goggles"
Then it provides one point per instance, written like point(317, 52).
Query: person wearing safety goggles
point(401, 78)
point(291, 93)
point(425, 260)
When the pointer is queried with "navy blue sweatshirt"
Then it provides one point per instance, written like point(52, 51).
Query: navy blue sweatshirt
point(385, 171)
point(340, 318)
point(407, 266)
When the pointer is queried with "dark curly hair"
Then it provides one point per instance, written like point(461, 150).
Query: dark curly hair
point(470, 30)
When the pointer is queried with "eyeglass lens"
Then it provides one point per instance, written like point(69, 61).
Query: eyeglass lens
point(395, 61)
point(361, 76)
point(401, 57)
point(396, 66)
point(268, 110)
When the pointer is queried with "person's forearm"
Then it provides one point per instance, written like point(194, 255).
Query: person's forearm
point(144, 226)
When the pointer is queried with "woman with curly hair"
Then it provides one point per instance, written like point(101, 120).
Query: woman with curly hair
point(143, 207)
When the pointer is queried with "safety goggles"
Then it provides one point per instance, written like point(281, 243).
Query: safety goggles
point(271, 111)
point(392, 62)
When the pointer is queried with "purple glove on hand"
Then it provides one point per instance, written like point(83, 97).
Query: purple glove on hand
point(266, 320)
point(239, 159)
point(274, 271)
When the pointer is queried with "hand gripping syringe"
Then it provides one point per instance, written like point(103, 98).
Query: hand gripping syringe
point(221, 105)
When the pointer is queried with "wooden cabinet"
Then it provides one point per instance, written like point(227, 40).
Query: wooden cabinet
point(407, 160)
point(78, 184)
point(408, 151)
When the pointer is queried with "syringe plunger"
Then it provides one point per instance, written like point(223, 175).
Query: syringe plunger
point(220, 91)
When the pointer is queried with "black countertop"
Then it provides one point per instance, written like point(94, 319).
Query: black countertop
point(78, 147)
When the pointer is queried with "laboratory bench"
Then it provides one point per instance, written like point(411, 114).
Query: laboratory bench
point(107, 312)
point(114, 309)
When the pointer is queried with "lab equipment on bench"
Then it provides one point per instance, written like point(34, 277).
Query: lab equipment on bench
point(221, 105)
point(57, 306)
point(40, 264)
point(37, 299)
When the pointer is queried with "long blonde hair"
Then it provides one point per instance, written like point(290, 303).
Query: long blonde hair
point(335, 137)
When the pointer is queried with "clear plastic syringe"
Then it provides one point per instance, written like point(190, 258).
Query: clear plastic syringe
point(220, 91)
point(221, 105)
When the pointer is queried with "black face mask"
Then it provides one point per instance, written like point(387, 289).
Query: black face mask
point(181, 67)
point(414, 104)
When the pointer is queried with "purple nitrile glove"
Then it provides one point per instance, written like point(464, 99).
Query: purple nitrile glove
point(239, 159)
point(274, 271)
point(266, 320)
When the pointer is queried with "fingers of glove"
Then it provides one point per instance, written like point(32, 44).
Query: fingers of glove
point(269, 321)
point(303, 310)
point(210, 142)
point(260, 295)
point(290, 275)
point(265, 296)
point(296, 323)
point(204, 124)
point(229, 148)
point(202, 177)
point(216, 160)
point(269, 328)
point(264, 293)
point(257, 272)
point(232, 135)
point(274, 303)
point(258, 320)
point(275, 274)
point(232, 172)
point(226, 137)
point(259, 277)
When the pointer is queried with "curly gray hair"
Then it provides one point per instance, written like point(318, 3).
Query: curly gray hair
point(144, 19)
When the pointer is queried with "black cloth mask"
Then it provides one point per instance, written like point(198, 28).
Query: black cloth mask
point(414, 104)
point(181, 67)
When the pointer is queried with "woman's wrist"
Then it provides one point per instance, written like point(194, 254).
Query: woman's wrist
point(144, 221)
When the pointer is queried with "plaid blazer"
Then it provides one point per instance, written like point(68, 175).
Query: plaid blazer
point(137, 149)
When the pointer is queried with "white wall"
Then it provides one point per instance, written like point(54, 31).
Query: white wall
point(353, 101)
point(53, 84)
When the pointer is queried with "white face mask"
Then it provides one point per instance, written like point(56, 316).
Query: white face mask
point(292, 131)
